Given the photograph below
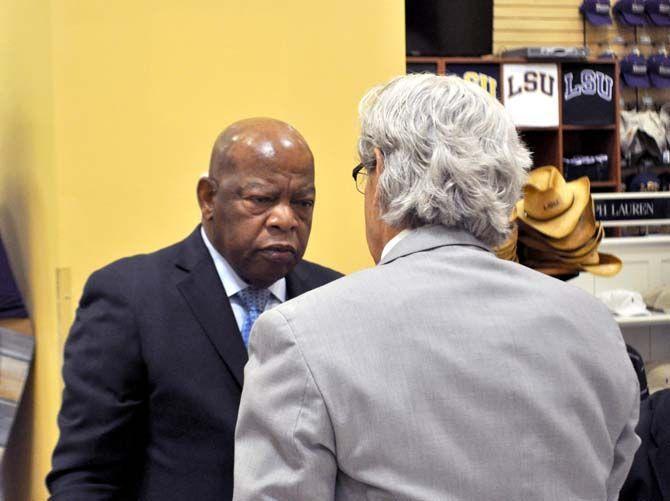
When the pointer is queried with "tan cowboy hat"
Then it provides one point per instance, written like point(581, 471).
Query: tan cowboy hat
point(544, 245)
point(550, 205)
point(511, 239)
point(550, 268)
point(507, 250)
point(513, 216)
point(583, 233)
point(509, 255)
point(589, 259)
point(608, 266)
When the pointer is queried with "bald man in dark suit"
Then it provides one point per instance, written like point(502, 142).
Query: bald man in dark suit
point(154, 362)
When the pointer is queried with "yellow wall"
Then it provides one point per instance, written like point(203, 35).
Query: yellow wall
point(29, 207)
point(109, 110)
point(143, 88)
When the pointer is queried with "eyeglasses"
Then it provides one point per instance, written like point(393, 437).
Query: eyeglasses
point(360, 175)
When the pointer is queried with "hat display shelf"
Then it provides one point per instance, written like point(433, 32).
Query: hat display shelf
point(545, 129)
point(554, 140)
point(624, 39)
point(646, 267)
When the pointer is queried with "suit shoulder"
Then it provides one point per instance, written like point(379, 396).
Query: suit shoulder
point(342, 288)
point(130, 267)
point(316, 274)
point(581, 298)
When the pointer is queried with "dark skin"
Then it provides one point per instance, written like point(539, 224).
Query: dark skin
point(258, 199)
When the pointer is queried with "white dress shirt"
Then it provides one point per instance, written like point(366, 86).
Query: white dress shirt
point(232, 283)
point(394, 241)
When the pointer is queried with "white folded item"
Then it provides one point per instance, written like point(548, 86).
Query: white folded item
point(658, 298)
point(658, 376)
point(624, 303)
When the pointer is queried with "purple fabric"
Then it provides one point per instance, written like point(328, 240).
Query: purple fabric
point(11, 301)
point(658, 11)
point(596, 12)
point(630, 12)
point(634, 71)
point(659, 70)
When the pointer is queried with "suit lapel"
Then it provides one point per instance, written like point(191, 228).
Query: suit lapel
point(204, 293)
point(295, 284)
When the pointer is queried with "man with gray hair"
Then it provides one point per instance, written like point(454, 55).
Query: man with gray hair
point(443, 373)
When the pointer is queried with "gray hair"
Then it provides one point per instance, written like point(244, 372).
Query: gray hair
point(452, 155)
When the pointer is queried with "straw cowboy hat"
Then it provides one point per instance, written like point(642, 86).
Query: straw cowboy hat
point(585, 231)
point(536, 255)
point(608, 266)
point(550, 205)
point(545, 245)
point(507, 250)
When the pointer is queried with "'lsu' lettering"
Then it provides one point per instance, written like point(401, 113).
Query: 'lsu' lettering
point(591, 83)
point(486, 82)
point(530, 84)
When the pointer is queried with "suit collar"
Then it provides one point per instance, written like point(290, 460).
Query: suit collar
point(191, 251)
point(205, 295)
point(203, 291)
point(430, 237)
point(232, 282)
point(297, 282)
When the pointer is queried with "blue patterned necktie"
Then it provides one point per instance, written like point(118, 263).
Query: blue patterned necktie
point(254, 301)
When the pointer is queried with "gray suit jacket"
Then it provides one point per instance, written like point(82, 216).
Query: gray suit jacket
point(444, 373)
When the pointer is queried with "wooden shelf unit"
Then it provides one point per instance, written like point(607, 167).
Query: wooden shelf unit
point(550, 145)
point(604, 184)
point(589, 127)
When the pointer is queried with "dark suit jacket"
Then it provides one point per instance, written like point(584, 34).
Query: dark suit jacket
point(649, 476)
point(153, 375)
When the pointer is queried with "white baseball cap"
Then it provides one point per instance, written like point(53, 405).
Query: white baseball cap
point(624, 303)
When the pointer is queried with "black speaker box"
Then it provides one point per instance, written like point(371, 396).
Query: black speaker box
point(449, 27)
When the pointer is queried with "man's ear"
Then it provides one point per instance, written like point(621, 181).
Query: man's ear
point(206, 190)
point(379, 161)
point(376, 172)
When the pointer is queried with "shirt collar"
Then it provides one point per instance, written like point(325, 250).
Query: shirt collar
point(394, 241)
point(231, 281)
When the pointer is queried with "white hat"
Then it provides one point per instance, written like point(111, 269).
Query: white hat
point(624, 303)
point(658, 376)
point(658, 299)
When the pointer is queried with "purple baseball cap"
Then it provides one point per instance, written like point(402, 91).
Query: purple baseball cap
point(658, 66)
point(630, 12)
point(634, 71)
point(597, 12)
point(658, 11)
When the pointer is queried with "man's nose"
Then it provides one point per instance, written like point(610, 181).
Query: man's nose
point(283, 217)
